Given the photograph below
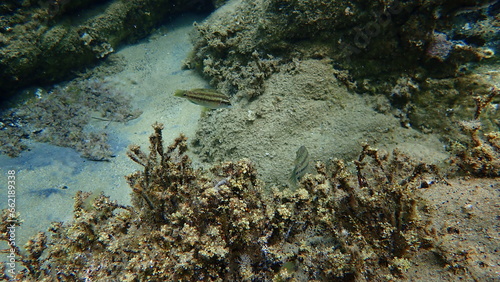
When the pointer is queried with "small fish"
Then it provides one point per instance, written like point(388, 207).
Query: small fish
point(208, 98)
point(301, 165)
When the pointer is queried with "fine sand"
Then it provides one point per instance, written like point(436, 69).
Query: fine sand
point(49, 176)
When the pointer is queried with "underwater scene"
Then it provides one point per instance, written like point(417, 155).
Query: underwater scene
point(237, 140)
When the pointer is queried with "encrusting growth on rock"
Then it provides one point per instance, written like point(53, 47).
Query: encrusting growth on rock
point(220, 225)
point(481, 156)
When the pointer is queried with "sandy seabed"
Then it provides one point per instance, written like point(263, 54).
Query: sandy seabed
point(48, 176)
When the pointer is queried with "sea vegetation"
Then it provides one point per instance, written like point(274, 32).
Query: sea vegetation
point(480, 155)
point(221, 225)
point(66, 116)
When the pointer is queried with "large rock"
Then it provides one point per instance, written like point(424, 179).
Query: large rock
point(40, 44)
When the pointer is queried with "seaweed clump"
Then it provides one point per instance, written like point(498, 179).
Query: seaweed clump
point(220, 225)
point(63, 118)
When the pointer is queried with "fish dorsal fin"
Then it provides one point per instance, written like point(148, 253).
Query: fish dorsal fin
point(205, 90)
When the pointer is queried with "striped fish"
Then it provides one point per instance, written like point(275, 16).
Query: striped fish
point(208, 98)
point(301, 165)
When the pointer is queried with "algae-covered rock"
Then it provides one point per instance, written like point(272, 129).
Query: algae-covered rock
point(392, 48)
point(44, 42)
point(366, 38)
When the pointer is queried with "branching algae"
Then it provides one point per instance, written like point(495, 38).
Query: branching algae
point(220, 225)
